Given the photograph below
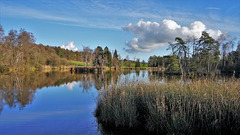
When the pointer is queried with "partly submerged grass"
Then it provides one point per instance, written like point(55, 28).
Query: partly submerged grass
point(196, 107)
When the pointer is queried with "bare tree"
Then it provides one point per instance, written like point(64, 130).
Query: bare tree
point(127, 58)
point(1, 34)
point(87, 52)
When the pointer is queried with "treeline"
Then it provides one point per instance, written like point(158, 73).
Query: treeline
point(133, 63)
point(19, 51)
point(96, 57)
point(204, 55)
point(68, 54)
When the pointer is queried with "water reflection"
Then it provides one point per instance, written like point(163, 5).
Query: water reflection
point(17, 90)
point(14, 90)
point(70, 85)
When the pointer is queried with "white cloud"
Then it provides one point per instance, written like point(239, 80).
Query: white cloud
point(26, 12)
point(214, 33)
point(154, 35)
point(70, 46)
point(213, 8)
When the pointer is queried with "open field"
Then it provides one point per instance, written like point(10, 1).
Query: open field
point(204, 106)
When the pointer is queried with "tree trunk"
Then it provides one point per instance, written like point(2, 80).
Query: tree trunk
point(179, 61)
point(209, 58)
point(85, 60)
point(185, 62)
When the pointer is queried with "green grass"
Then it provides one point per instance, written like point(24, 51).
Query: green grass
point(125, 64)
point(197, 107)
point(143, 65)
point(77, 63)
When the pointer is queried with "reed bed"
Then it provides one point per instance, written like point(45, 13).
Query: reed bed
point(206, 106)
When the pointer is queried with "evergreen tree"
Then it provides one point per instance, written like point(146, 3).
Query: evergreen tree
point(107, 57)
point(98, 61)
point(173, 64)
point(137, 63)
point(115, 59)
point(237, 69)
point(144, 63)
point(208, 51)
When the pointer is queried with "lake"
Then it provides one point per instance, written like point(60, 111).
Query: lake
point(58, 102)
point(55, 102)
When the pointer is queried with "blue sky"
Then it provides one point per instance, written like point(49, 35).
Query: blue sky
point(106, 23)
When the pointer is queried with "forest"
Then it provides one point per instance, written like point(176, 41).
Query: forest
point(204, 55)
point(18, 51)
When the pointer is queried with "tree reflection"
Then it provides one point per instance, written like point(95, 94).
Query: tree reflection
point(137, 73)
point(18, 89)
point(86, 82)
point(13, 91)
point(160, 76)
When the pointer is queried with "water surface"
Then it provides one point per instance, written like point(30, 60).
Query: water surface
point(53, 102)
point(58, 102)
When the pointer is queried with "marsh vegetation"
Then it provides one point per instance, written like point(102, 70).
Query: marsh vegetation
point(193, 106)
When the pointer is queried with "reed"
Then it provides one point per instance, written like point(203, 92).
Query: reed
point(205, 106)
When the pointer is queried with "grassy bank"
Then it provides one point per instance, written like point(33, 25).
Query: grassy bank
point(197, 107)
point(133, 64)
point(77, 63)
point(29, 67)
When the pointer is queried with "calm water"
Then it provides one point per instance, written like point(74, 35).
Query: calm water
point(57, 102)
point(54, 102)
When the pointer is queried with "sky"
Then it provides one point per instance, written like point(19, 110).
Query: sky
point(137, 28)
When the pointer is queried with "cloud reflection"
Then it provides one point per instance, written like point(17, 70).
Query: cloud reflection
point(70, 85)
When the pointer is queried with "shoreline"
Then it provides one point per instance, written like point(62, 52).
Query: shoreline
point(98, 69)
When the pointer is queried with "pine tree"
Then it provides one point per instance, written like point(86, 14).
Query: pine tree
point(98, 61)
point(115, 59)
point(137, 63)
point(107, 57)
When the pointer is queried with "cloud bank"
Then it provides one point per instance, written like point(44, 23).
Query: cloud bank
point(70, 46)
point(154, 35)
